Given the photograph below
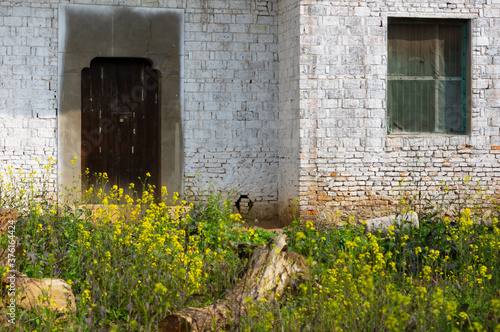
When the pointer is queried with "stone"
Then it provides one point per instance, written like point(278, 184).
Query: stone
point(54, 294)
point(409, 219)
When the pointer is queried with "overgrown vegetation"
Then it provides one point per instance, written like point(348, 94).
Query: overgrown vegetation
point(132, 260)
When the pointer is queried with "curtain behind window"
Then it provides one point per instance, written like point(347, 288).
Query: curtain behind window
point(426, 77)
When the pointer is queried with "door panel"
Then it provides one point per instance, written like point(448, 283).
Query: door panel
point(120, 117)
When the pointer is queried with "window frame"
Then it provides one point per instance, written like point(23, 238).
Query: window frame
point(465, 78)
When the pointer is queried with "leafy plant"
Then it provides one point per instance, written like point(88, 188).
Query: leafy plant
point(131, 260)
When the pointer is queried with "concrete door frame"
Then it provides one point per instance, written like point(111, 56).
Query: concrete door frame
point(90, 31)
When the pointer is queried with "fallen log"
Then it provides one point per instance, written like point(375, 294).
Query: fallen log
point(7, 218)
point(270, 270)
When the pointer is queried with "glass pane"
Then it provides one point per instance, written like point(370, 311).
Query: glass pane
point(451, 37)
point(411, 106)
point(412, 49)
point(450, 119)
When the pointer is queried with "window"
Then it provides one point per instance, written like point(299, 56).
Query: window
point(426, 76)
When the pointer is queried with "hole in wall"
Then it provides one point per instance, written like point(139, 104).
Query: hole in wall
point(244, 205)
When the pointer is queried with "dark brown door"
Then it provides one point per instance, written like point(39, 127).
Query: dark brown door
point(120, 121)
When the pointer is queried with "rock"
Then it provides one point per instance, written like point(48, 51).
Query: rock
point(409, 219)
point(55, 294)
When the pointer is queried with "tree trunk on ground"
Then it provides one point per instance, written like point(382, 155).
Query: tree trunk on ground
point(270, 270)
point(7, 218)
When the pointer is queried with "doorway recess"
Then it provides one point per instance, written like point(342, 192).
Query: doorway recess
point(125, 43)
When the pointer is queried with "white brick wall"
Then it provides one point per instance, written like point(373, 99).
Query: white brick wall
point(329, 145)
point(27, 77)
point(231, 98)
point(289, 148)
point(230, 79)
point(348, 161)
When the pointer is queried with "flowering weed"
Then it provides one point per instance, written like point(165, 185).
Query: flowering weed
point(131, 259)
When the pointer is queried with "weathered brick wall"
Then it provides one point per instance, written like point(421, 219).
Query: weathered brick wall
point(231, 98)
point(230, 80)
point(329, 146)
point(348, 162)
point(28, 80)
point(289, 148)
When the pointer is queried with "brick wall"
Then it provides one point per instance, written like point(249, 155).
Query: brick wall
point(289, 143)
point(231, 98)
point(329, 145)
point(348, 161)
point(28, 77)
point(230, 80)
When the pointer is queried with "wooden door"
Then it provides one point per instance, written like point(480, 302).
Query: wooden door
point(120, 120)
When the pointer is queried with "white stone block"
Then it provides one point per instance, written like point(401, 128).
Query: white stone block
point(482, 41)
point(409, 219)
point(12, 21)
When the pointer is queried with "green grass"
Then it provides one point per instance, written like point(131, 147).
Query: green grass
point(135, 260)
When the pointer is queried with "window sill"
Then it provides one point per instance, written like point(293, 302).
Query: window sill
point(425, 135)
point(427, 140)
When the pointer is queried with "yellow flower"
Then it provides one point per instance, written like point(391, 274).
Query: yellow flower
point(427, 272)
point(300, 236)
point(236, 217)
point(159, 288)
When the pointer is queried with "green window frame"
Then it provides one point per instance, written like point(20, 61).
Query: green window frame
point(426, 76)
